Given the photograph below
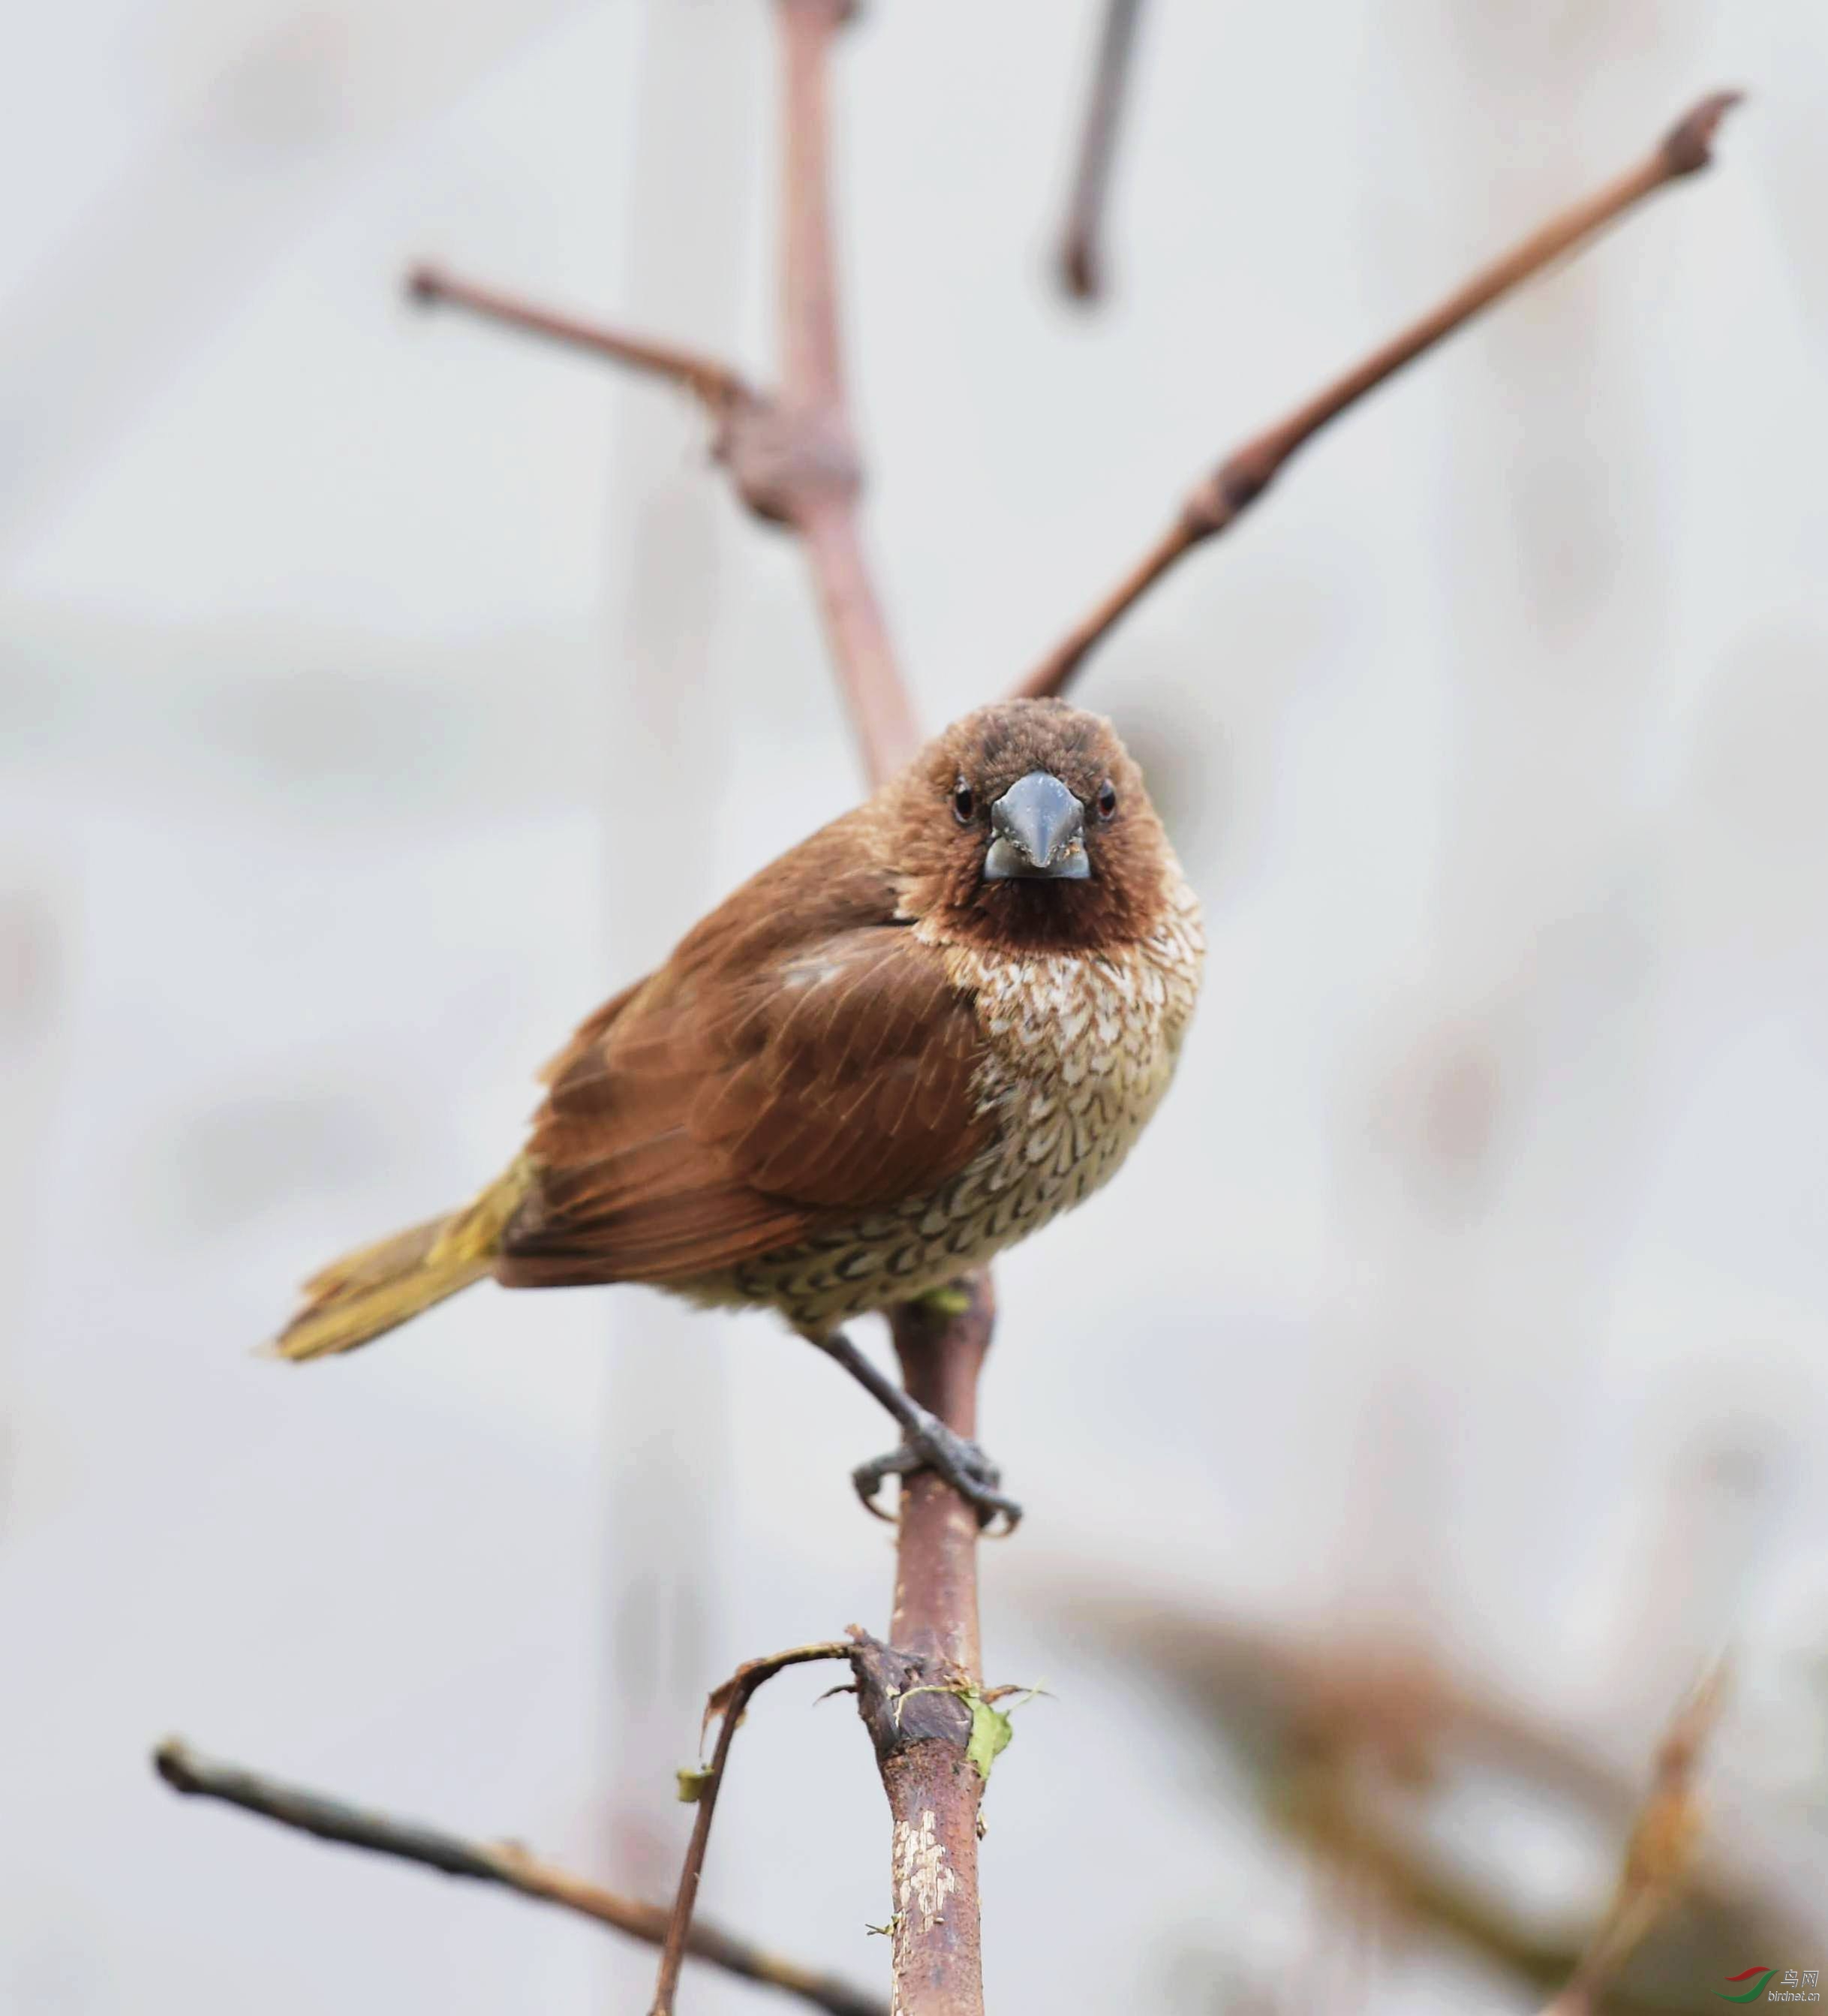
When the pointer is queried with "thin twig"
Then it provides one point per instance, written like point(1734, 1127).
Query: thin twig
point(730, 1700)
point(1216, 504)
point(1081, 253)
point(185, 1770)
point(720, 389)
point(1657, 1858)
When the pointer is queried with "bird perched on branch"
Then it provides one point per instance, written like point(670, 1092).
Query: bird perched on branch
point(908, 1042)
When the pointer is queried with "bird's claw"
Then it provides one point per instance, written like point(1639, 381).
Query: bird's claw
point(961, 1462)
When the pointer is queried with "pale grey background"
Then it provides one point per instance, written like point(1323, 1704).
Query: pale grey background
point(376, 694)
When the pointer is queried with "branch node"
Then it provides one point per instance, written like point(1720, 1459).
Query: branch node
point(905, 1699)
point(1229, 490)
point(788, 462)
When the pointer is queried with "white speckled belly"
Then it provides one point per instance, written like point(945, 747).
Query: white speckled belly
point(1081, 1050)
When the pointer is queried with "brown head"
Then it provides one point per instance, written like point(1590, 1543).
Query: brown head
point(1027, 825)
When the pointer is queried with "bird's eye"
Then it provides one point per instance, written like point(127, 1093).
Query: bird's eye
point(964, 803)
point(1106, 802)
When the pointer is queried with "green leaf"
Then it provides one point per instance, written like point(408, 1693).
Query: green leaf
point(989, 1734)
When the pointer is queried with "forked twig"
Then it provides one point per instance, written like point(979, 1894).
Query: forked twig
point(728, 1701)
point(500, 1863)
point(1215, 504)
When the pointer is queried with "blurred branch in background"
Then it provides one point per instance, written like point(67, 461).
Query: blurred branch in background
point(502, 1863)
point(1657, 1859)
point(1354, 1747)
point(1216, 504)
point(1081, 257)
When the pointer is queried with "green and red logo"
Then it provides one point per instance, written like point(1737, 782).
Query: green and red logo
point(1798, 1984)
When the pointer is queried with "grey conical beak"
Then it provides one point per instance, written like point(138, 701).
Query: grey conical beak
point(1037, 830)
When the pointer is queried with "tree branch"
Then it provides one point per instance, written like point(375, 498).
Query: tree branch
point(1081, 251)
point(501, 1863)
point(1349, 1740)
point(1657, 1858)
point(922, 1745)
point(1217, 503)
point(730, 1700)
point(715, 386)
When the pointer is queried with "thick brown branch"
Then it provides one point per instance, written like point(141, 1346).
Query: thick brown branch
point(1081, 253)
point(730, 1700)
point(1217, 503)
point(721, 390)
point(501, 1863)
point(933, 1789)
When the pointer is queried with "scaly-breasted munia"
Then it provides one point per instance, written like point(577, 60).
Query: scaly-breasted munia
point(912, 1040)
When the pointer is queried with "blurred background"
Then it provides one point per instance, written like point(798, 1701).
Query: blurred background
point(1442, 1385)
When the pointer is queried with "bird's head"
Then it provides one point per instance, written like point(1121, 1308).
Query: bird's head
point(1027, 825)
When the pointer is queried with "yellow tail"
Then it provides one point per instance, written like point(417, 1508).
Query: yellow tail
point(365, 1295)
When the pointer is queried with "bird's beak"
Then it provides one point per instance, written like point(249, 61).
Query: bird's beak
point(1037, 830)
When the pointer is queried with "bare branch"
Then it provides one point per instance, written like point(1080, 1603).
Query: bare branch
point(718, 388)
point(1082, 252)
point(728, 1701)
point(185, 1770)
point(934, 1790)
point(1216, 504)
point(1657, 1858)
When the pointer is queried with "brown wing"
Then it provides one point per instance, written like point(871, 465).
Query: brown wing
point(765, 1083)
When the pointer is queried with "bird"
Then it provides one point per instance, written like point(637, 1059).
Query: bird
point(910, 1041)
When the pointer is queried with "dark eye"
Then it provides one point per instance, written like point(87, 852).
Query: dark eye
point(964, 803)
point(1106, 802)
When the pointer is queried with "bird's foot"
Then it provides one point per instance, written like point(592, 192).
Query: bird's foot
point(932, 1446)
